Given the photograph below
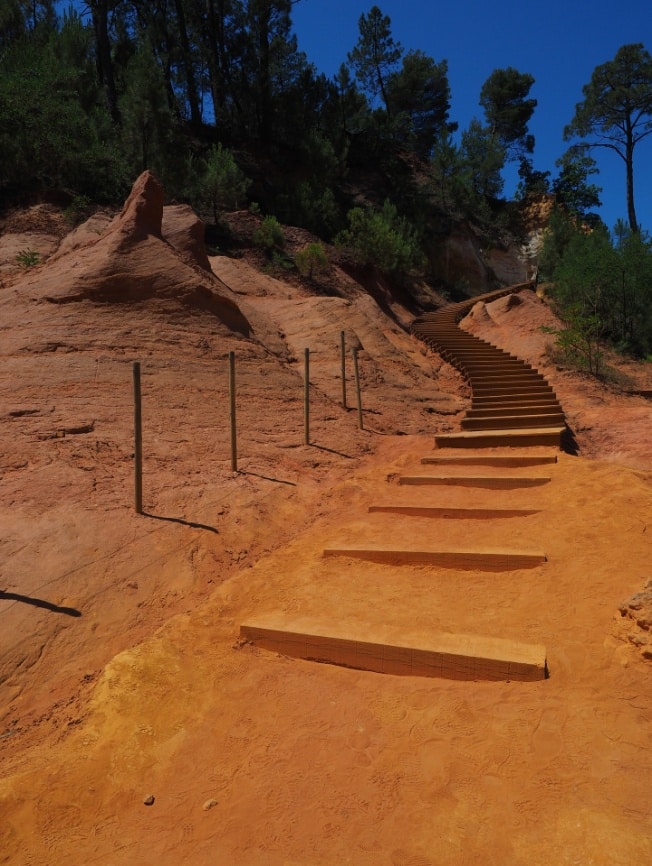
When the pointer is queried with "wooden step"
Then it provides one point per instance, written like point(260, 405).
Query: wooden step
point(491, 482)
point(550, 436)
point(525, 376)
point(381, 650)
point(481, 353)
point(543, 395)
point(471, 345)
point(530, 409)
point(453, 513)
point(506, 400)
point(505, 422)
point(464, 560)
point(496, 367)
point(495, 389)
point(491, 460)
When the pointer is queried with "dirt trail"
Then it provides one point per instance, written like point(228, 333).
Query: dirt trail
point(262, 759)
point(123, 676)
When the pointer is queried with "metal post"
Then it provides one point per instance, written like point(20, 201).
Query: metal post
point(343, 364)
point(234, 447)
point(306, 395)
point(356, 374)
point(138, 442)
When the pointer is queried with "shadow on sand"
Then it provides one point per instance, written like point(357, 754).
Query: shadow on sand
point(38, 602)
point(267, 477)
point(181, 521)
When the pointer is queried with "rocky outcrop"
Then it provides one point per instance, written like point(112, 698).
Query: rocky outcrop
point(458, 260)
point(183, 230)
point(637, 613)
point(140, 255)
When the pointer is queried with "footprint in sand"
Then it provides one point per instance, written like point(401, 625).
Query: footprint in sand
point(547, 738)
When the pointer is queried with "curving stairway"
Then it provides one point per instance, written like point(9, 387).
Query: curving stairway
point(512, 403)
point(469, 519)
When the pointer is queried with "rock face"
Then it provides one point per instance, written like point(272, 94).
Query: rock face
point(459, 259)
point(142, 213)
point(183, 229)
point(637, 611)
point(139, 256)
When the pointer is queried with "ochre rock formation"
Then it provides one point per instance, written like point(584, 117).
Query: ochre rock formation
point(141, 255)
point(183, 229)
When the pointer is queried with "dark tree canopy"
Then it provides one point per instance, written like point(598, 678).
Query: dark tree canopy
point(508, 110)
point(483, 157)
point(218, 99)
point(572, 188)
point(420, 93)
point(376, 55)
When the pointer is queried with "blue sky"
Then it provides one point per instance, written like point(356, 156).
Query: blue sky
point(559, 43)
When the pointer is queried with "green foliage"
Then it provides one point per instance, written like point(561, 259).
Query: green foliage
point(225, 185)
point(483, 157)
point(146, 116)
point(446, 169)
point(572, 188)
point(381, 238)
point(271, 66)
point(78, 210)
point(311, 259)
point(351, 105)
point(630, 322)
point(376, 55)
point(606, 288)
point(278, 263)
point(269, 235)
point(312, 206)
point(311, 201)
point(419, 96)
point(28, 258)
point(561, 228)
point(53, 130)
point(532, 182)
point(586, 271)
point(507, 109)
point(579, 340)
point(86, 103)
point(616, 112)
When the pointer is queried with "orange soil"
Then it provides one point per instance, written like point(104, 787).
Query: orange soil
point(257, 759)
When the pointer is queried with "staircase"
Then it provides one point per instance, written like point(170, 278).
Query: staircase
point(457, 517)
point(512, 403)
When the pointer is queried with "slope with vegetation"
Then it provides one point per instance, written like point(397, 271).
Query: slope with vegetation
point(217, 99)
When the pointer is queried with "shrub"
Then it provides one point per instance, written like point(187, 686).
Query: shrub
point(269, 235)
point(78, 210)
point(28, 258)
point(382, 238)
point(226, 184)
point(312, 258)
point(579, 339)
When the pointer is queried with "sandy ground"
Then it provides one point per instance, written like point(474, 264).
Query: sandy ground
point(137, 727)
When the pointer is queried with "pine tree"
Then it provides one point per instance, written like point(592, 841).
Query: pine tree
point(376, 55)
point(616, 112)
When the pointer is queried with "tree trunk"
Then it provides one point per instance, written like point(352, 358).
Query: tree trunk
point(186, 56)
point(629, 161)
point(100, 12)
point(262, 24)
point(221, 81)
point(214, 59)
point(383, 92)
